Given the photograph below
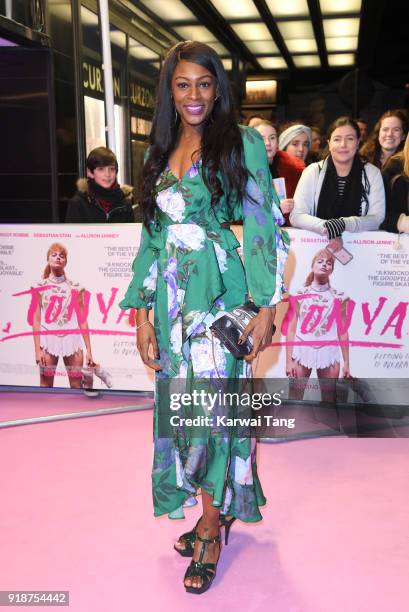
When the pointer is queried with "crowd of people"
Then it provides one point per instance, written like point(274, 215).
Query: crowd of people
point(350, 180)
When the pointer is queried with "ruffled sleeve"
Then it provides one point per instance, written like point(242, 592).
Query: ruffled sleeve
point(265, 243)
point(141, 292)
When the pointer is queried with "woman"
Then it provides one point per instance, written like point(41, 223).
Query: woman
point(315, 153)
point(202, 171)
point(363, 129)
point(296, 140)
point(281, 164)
point(396, 179)
point(319, 351)
point(340, 193)
point(316, 139)
point(53, 322)
point(387, 138)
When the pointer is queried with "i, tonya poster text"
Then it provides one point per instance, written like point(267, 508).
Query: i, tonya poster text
point(336, 318)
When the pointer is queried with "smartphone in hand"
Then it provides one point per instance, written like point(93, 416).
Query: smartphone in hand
point(343, 255)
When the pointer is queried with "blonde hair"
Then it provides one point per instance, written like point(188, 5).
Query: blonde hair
point(56, 246)
point(265, 122)
point(322, 252)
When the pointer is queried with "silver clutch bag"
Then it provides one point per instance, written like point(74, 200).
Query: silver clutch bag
point(230, 326)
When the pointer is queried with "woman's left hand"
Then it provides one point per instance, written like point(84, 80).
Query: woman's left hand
point(261, 330)
point(345, 372)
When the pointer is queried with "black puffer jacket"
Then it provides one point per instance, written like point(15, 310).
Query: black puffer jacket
point(84, 207)
point(397, 194)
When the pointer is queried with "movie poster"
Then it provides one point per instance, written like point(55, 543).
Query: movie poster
point(96, 273)
point(339, 319)
point(355, 314)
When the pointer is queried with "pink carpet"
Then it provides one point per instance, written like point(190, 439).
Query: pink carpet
point(76, 515)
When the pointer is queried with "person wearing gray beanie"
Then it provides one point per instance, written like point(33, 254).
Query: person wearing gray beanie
point(296, 140)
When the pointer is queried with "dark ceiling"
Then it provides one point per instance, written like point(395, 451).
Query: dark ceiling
point(382, 50)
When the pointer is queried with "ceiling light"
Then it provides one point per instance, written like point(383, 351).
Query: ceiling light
point(262, 46)
point(335, 6)
point(227, 63)
point(252, 86)
point(239, 9)
point(342, 43)
point(118, 38)
point(273, 63)
point(295, 29)
point(88, 18)
point(171, 10)
point(290, 8)
point(341, 27)
point(341, 59)
point(201, 34)
point(307, 61)
point(195, 32)
point(251, 31)
point(302, 45)
point(218, 47)
point(64, 12)
point(140, 52)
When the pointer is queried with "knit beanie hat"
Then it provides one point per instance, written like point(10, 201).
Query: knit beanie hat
point(291, 132)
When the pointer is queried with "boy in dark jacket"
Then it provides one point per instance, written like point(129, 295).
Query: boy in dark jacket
point(99, 198)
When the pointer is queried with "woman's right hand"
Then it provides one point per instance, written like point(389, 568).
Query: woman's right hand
point(403, 224)
point(145, 338)
point(40, 357)
point(335, 244)
point(286, 206)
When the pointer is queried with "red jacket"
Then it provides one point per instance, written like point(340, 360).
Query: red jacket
point(290, 168)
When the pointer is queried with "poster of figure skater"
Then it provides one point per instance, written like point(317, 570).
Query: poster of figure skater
point(60, 324)
point(318, 343)
point(314, 339)
point(56, 322)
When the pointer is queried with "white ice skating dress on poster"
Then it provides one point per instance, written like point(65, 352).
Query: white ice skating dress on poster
point(55, 318)
point(319, 355)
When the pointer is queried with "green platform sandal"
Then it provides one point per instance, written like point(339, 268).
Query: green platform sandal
point(205, 571)
point(189, 538)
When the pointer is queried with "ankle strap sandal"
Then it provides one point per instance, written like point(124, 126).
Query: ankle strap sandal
point(205, 571)
point(189, 538)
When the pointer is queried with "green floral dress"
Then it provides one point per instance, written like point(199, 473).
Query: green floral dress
point(190, 271)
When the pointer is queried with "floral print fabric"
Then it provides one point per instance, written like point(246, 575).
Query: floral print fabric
point(189, 269)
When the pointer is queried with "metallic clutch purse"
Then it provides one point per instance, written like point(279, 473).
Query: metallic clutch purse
point(230, 326)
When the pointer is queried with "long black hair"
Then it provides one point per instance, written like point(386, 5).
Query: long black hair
point(221, 145)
